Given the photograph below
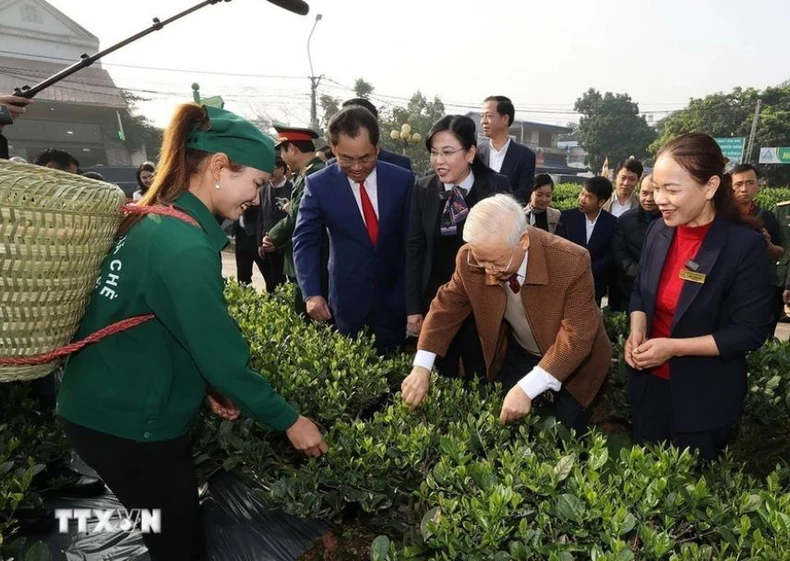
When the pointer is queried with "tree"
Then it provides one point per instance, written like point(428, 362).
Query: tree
point(731, 115)
point(573, 135)
point(138, 130)
point(719, 115)
point(329, 106)
point(611, 127)
point(363, 88)
point(420, 114)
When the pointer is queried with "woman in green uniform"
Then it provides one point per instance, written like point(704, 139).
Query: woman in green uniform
point(128, 400)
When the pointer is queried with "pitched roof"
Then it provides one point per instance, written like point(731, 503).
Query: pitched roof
point(89, 86)
point(76, 28)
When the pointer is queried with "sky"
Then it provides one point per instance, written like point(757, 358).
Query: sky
point(543, 55)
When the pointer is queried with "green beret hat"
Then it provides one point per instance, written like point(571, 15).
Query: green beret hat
point(238, 138)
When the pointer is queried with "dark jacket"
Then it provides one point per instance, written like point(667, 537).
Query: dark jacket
point(4, 155)
point(733, 304)
point(518, 166)
point(394, 159)
point(423, 217)
point(629, 235)
point(573, 227)
point(271, 211)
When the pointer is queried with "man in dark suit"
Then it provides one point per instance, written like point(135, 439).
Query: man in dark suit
point(593, 228)
point(364, 205)
point(503, 154)
point(274, 198)
point(384, 155)
point(245, 232)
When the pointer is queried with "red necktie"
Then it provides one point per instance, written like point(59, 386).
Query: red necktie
point(371, 221)
point(515, 286)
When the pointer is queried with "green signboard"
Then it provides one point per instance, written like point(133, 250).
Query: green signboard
point(732, 149)
point(776, 155)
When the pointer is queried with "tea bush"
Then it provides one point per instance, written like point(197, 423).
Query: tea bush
point(566, 195)
point(448, 481)
point(29, 439)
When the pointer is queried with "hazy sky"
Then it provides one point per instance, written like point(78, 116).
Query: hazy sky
point(543, 55)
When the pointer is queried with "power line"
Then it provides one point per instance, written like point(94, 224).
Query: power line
point(186, 71)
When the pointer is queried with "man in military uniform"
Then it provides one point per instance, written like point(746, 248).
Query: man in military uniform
point(297, 149)
point(782, 212)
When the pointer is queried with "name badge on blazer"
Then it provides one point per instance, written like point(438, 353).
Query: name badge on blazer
point(692, 276)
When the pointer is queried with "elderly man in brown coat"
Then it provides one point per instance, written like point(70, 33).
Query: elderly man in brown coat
point(534, 305)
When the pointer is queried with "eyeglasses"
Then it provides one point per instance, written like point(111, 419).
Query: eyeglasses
point(484, 266)
point(748, 183)
point(446, 153)
point(345, 161)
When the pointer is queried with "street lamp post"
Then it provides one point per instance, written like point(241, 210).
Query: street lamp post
point(406, 136)
point(314, 80)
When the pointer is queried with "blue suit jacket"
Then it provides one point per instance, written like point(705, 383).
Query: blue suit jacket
point(733, 305)
point(518, 166)
point(362, 278)
point(572, 226)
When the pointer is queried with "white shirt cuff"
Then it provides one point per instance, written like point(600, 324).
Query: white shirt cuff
point(537, 382)
point(424, 359)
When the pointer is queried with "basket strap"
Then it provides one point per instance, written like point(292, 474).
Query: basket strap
point(131, 208)
point(114, 328)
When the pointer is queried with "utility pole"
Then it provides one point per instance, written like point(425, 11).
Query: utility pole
point(750, 144)
point(314, 80)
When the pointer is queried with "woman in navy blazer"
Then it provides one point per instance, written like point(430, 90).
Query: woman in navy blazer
point(701, 301)
point(433, 241)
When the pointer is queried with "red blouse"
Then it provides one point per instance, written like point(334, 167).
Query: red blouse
point(685, 246)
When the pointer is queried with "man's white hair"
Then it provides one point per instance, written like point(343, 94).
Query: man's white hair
point(496, 219)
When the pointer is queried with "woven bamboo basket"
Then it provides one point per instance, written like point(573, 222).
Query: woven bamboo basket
point(55, 230)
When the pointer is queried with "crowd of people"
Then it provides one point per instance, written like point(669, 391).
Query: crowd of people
point(471, 259)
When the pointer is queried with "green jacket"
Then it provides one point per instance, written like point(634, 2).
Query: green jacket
point(146, 384)
point(282, 232)
point(782, 212)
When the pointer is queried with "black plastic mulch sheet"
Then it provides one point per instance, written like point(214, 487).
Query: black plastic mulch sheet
point(239, 527)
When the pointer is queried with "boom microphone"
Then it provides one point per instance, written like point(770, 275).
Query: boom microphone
point(295, 6)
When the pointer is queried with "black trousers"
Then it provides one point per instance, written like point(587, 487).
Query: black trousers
point(518, 363)
point(466, 349)
point(272, 270)
point(150, 475)
point(651, 420)
point(778, 306)
point(245, 257)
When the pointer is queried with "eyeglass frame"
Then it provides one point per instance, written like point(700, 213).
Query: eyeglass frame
point(345, 161)
point(446, 153)
point(497, 270)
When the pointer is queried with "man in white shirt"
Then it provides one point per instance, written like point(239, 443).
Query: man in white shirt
point(500, 152)
point(627, 177)
point(592, 228)
point(364, 206)
point(531, 294)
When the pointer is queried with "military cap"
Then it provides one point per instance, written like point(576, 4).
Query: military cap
point(238, 138)
point(287, 133)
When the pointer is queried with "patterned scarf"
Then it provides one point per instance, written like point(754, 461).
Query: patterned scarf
point(455, 211)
